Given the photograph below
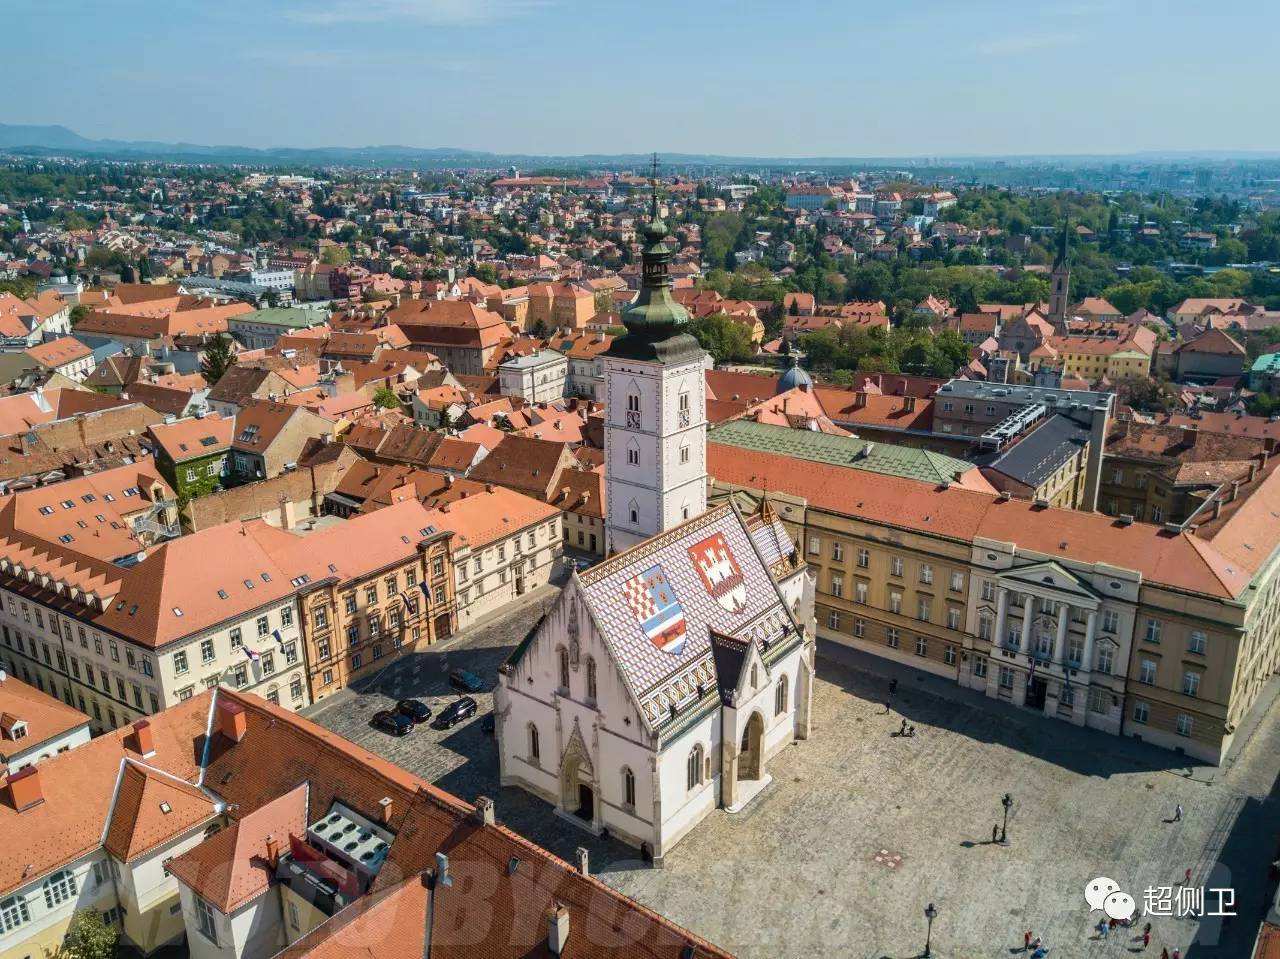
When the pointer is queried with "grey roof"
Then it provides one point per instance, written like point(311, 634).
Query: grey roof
point(540, 358)
point(1043, 451)
point(978, 389)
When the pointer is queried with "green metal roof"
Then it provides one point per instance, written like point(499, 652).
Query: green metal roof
point(292, 317)
point(885, 458)
point(1266, 363)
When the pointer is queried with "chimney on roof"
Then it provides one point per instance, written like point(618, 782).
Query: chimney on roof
point(144, 738)
point(232, 720)
point(384, 810)
point(484, 810)
point(24, 789)
point(859, 399)
point(580, 855)
point(273, 851)
point(557, 929)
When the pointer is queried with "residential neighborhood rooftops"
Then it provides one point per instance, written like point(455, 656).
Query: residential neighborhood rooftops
point(195, 437)
point(43, 718)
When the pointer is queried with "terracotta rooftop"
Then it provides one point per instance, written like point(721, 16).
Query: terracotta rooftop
point(45, 717)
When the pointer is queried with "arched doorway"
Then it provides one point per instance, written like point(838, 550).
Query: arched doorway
point(749, 758)
point(576, 795)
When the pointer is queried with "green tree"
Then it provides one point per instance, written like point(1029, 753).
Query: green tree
point(724, 339)
point(218, 358)
point(89, 937)
point(384, 397)
point(335, 255)
point(78, 313)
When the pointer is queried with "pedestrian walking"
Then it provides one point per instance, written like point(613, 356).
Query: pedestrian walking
point(1164, 953)
point(995, 837)
point(1026, 937)
point(893, 686)
point(1177, 813)
point(1103, 929)
point(1177, 954)
point(903, 730)
point(1146, 939)
point(887, 708)
point(1146, 930)
point(1186, 878)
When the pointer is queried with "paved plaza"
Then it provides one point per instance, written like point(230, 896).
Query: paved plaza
point(861, 829)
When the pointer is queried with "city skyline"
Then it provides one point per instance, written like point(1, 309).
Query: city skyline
point(552, 77)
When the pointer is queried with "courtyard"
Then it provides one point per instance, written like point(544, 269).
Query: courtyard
point(862, 829)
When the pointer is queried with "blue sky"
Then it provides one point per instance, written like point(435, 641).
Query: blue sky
point(806, 77)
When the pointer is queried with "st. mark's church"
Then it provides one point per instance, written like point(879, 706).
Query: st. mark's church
point(664, 679)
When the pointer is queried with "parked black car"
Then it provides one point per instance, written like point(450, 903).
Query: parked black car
point(392, 723)
point(454, 713)
point(415, 710)
point(466, 681)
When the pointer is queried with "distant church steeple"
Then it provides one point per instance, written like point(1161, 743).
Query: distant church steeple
point(655, 398)
point(1060, 283)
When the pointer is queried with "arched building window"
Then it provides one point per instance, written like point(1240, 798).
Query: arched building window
point(591, 679)
point(628, 787)
point(780, 697)
point(535, 748)
point(695, 767)
point(562, 656)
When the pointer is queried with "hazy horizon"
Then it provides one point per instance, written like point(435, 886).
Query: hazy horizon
point(811, 79)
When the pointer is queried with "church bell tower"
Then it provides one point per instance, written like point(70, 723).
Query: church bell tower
point(1060, 285)
point(655, 436)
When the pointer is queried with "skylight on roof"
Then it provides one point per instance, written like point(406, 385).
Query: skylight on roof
point(177, 611)
point(222, 594)
point(67, 504)
point(266, 577)
point(46, 510)
point(248, 584)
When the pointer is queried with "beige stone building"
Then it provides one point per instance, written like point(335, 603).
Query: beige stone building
point(1163, 633)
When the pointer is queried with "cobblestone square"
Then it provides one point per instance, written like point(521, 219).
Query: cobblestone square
point(861, 829)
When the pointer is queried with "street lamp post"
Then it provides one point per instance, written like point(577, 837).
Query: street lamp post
point(1007, 801)
point(930, 914)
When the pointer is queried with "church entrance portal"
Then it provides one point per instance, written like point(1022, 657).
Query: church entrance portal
point(586, 803)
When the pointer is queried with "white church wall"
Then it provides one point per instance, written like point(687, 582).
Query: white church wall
point(684, 808)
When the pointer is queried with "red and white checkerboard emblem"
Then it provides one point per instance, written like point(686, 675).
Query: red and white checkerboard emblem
point(659, 614)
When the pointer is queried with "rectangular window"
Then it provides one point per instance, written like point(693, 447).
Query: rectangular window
point(1184, 724)
point(833, 619)
point(953, 617)
point(237, 638)
point(205, 920)
point(860, 592)
point(837, 552)
point(1196, 642)
point(295, 687)
point(371, 593)
point(895, 566)
point(926, 574)
point(286, 616)
point(957, 582)
point(984, 627)
point(837, 585)
point(1110, 621)
point(1190, 683)
point(1106, 658)
point(1097, 700)
point(864, 558)
point(1147, 672)
point(349, 603)
point(320, 615)
point(980, 666)
point(264, 626)
point(1153, 631)
point(923, 610)
point(922, 646)
point(180, 662)
point(949, 654)
point(859, 628)
point(1141, 712)
point(1006, 677)
point(815, 546)
point(892, 637)
point(895, 602)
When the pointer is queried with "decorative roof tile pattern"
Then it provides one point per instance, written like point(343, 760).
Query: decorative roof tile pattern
point(657, 602)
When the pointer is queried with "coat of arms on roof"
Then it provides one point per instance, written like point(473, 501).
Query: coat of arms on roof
point(719, 571)
point(653, 602)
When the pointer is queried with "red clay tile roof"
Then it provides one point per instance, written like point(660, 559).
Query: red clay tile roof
point(46, 717)
point(151, 808)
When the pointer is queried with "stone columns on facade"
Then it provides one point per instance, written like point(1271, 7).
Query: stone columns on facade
point(1028, 606)
point(1002, 615)
point(1060, 643)
point(1090, 627)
